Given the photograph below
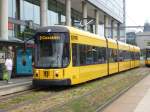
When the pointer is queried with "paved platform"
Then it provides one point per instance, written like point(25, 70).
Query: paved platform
point(15, 80)
point(18, 84)
point(137, 99)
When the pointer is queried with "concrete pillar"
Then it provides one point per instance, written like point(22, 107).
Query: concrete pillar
point(3, 19)
point(112, 29)
point(17, 27)
point(68, 12)
point(43, 12)
point(84, 11)
point(106, 26)
point(96, 21)
point(118, 31)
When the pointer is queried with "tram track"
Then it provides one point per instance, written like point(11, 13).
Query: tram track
point(75, 98)
point(30, 101)
point(101, 107)
point(85, 95)
point(16, 94)
point(26, 103)
point(50, 95)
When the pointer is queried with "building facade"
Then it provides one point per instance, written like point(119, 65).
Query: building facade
point(146, 27)
point(143, 39)
point(131, 38)
point(102, 17)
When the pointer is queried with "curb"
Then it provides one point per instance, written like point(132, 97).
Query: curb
point(14, 88)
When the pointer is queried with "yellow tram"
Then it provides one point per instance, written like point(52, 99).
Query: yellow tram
point(147, 59)
point(67, 56)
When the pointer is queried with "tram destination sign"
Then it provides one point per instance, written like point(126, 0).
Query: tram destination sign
point(49, 37)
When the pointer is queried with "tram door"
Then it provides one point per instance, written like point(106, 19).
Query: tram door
point(24, 62)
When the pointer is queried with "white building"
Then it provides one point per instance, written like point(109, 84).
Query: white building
point(108, 15)
point(143, 39)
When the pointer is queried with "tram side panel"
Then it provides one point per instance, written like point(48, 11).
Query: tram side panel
point(147, 59)
point(124, 57)
point(132, 60)
point(89, 59)
point(112, 56)
point(131, 56)
point(113, 63)
point(137, 56)
point(147, 62)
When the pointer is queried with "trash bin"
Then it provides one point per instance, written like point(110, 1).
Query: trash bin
point(1, 71)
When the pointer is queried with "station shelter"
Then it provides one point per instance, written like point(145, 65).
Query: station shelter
point(21, 56)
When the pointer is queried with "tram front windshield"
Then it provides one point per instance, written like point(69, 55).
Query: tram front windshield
point(52, 50)
point(148, 53)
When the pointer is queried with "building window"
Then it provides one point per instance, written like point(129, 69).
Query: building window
point(11, 13)
point(12, 8)
point(52, 18)
point(30, 11)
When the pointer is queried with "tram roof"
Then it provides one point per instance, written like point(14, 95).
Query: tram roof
point(61, 28)
point(82, 32)
point(137, 49)
point(56, 28)
point(72, 30)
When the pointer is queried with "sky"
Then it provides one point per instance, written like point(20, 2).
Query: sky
point(137, 12)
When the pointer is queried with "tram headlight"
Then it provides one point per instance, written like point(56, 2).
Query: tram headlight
point(36, 73)
point(56, 72)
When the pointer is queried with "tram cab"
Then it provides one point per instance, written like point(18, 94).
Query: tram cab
point(147, 58)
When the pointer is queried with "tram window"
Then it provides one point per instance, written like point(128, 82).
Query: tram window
point(127, 56)
point(132, 55)
point(121, 58)
point(65, 54)
point(147, 53)
point(52, 53)
point(124, 55)
point(102, 55)
point(45, 50)
point(113, 55)
point(82, 54)
point(89, 55)
point(137, 56)
point(75, 54)
point(95, 55)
